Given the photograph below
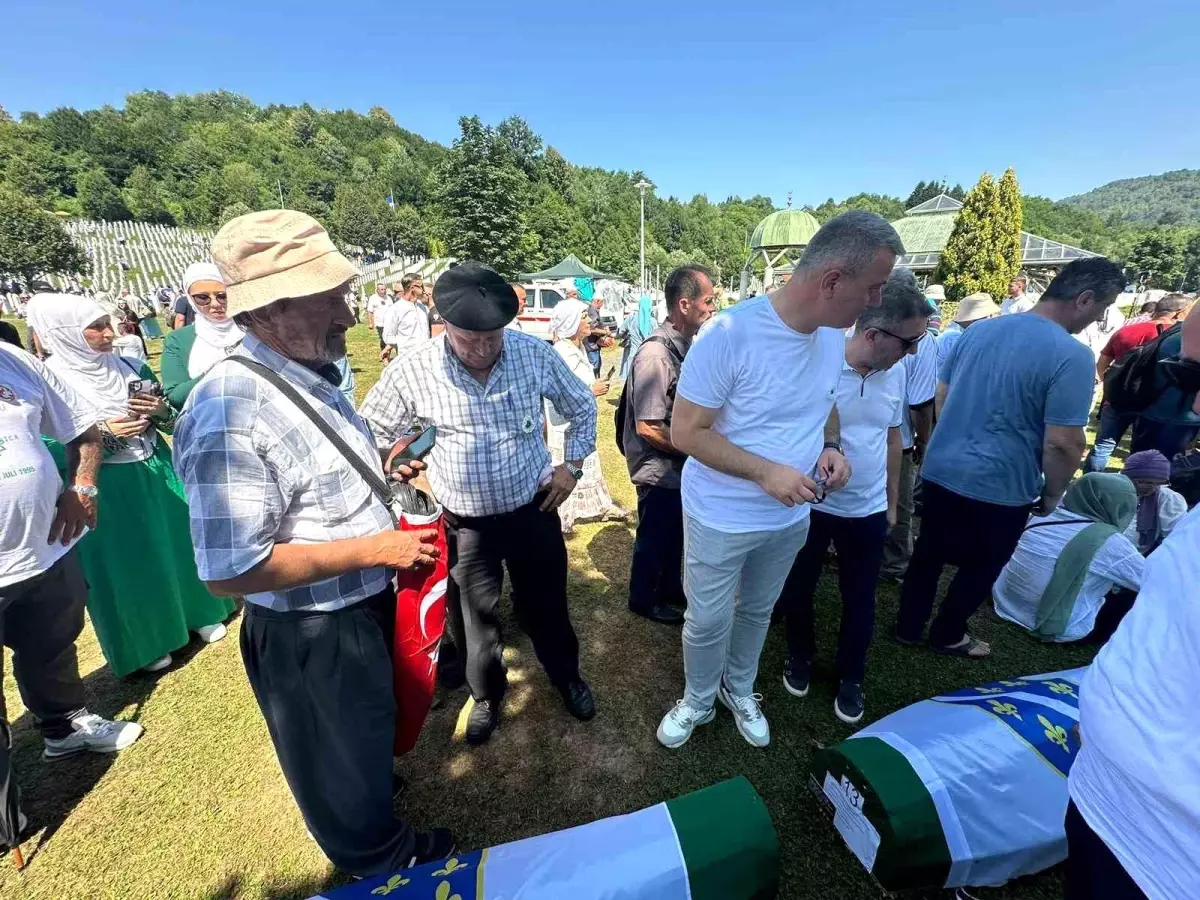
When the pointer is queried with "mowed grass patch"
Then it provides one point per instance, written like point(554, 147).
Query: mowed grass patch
point(199, 809)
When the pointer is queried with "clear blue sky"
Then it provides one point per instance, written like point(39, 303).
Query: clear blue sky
point(707, 96)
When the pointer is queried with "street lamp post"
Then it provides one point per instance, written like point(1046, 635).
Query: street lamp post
point(641, 186)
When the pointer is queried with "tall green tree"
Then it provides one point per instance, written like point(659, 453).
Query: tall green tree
point(99, 197)
point(33, 242)
point(1157, 260)
point(481, 196)
point(1012, 217)
point(144, 198)
point(975, 257)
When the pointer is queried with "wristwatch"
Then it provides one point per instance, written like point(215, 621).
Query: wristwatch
point(86, 490)
point(834, 445)
point(576, 472)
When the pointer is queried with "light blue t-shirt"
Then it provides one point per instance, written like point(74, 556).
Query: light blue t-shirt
point(1009, 378)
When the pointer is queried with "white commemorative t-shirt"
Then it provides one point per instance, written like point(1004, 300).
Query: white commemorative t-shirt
point(867, 407)
point(33, 402)
point(773, 389)
point(1136, 780)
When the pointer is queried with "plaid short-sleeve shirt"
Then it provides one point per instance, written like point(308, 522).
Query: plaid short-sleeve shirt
point(259, 473)
point(490, 456)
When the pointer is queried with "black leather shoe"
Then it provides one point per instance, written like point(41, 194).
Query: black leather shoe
point(431, 846)
point(661, 613)
point(577, 697)
point(482, 721)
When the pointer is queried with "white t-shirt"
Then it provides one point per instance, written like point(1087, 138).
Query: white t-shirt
point(1136, 780)
point(405, 325)
point(376, 303)
point(867, 408)
point(1018, 591)
point(33, 402)
point(773, 389)
point(920, 369)
point(1019, 304)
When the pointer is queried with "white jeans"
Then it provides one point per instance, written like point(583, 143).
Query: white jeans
point(732, 582)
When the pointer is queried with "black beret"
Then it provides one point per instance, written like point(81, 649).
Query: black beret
point(474, 297)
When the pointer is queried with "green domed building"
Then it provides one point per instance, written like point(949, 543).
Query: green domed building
point(777, 241)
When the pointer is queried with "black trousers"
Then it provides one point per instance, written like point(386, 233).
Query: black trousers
point(531, 543)
point(323, 681)
point(1093, 872)
point(859, 543)
point(977, 537)
point(40, 618)
point(655, 573)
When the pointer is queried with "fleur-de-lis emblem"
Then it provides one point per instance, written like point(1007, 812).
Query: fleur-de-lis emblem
point(393, 884)
point(1014, 683)
point(1056, 733)
point(443, 892)
point(452, 866)
point(1061, 687)
point(987, 690)
point(1004, 709)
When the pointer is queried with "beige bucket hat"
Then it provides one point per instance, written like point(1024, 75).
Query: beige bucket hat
point(976, 306)
point(274, 254)
point(936, 292)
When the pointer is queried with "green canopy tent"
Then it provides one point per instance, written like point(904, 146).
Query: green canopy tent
point(571, 267)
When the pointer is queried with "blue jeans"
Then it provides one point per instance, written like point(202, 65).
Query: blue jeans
point(1113, 426)
point(594, 358)
point(1165, 437)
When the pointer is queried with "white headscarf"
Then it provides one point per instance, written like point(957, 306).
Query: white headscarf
point(566, 319)
point(59, 320)
point(213, 339)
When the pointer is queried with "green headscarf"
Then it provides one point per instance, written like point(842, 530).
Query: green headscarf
point(1110, 501)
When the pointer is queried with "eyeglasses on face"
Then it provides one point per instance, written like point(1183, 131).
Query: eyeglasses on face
point(908, 343)
point(206, 299)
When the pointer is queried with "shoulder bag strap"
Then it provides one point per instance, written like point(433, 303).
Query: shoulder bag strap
point(373, 479)
point(1060, 522)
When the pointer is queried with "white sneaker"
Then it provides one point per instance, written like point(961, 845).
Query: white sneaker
point(210, 634)
point(91, 732)
point(748, 715)
point(163, 662)
point(677, 725)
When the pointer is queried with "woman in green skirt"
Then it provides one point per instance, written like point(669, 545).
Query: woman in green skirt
point(144, 595)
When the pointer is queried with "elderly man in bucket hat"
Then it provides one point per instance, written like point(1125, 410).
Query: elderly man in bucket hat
point(484, 387)
point(971, 309)
point(283, 518)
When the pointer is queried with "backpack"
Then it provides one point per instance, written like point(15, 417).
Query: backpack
point(1185, 476)
point(623, 404)
point(1130, 385)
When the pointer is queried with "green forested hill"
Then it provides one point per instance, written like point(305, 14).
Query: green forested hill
point(1172, 198)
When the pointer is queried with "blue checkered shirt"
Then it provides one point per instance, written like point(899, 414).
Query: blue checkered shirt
point(490, 456)
point(259, 473)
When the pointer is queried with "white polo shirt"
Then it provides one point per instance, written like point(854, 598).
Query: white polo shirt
point(920, 369)
point(33, 402)
point(867, 407)
point(405, 325)
point(376, 305)
point(773, 389)
point(1136, 780)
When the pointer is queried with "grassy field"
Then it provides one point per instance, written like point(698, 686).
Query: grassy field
point(199, 809)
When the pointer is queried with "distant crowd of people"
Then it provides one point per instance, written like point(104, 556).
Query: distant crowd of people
point(757, 438)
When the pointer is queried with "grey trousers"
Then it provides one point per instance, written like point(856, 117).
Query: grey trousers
point(732, 582)
point(899, 547)
point(323, 681)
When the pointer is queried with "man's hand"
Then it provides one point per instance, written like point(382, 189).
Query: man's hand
point(599, 388)
point(1046, 505)
point(127, 427)
point(559, 488)
point(787, 485)
point(75, 512)
point(408, 471)
point(408, 549)
point(834, 468)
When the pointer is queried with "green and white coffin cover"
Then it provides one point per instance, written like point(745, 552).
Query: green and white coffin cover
point(964, 789)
